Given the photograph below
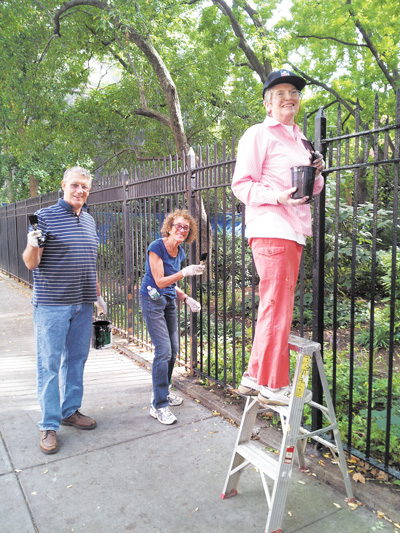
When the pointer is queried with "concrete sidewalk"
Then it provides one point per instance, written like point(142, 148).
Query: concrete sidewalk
point(132, 473)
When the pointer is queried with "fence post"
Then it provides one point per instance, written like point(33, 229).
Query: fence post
point(318, 270)
point(191, 164)
point(128, 267)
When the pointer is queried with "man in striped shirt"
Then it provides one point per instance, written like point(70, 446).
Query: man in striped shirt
point(62, 252)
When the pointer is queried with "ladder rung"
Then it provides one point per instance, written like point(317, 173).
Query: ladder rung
point(299, 344)
point(321, 440)
point(282, 410)
point(258, 458)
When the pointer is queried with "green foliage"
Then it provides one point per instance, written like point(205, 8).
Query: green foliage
point(359, 413)
point(54, 106)
point(339, 44)
point(382, 313)
point(222, 358)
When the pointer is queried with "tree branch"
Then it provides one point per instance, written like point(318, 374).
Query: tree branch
point(255, 17)
point(44, 9)
point(142, 96)
point(373, 50)
point(312, 81)
point(243, 43)
point(174, 121)
point(151, 113)
point(257, 21)
point(322, 38)
point(66, 6)
point(137, 155)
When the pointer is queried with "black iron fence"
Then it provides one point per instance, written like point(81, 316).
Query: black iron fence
point(348, 291)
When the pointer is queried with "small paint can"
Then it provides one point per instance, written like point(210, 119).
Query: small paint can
point(101, 336)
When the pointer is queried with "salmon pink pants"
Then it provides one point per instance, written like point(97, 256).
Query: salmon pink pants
point(277, 262)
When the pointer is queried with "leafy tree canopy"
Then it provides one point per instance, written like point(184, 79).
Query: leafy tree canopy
point(180, 74)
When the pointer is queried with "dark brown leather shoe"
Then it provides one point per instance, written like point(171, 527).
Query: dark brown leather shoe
point(80, 421)
point(48, 441)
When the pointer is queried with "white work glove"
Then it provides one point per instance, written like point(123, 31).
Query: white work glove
point(33, 237)
point(318, 161)
point(101, 306)
point(195, 307)
point(193, 270)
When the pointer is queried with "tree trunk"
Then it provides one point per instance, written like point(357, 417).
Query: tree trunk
point(33, 186)
point(9, 190)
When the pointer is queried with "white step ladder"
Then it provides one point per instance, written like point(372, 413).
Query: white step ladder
point(294, 436)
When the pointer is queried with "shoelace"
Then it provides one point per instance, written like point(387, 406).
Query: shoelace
point(48, 432)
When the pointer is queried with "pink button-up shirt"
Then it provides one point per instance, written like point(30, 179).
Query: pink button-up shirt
point(266, 153)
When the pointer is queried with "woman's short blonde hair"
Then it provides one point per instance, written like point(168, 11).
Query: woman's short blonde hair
point(169, 221)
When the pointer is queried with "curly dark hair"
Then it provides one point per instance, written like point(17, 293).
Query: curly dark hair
point(169, 220)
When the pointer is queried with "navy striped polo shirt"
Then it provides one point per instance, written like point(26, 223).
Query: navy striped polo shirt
point(66, 274)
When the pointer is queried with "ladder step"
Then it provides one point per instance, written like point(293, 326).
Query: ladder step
point(298, 344)
point(258, 457)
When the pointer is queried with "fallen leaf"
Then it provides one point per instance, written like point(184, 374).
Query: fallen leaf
point(337, 505)
point(196, 400)
point(215, 413)
point(379, 514)
point(321, 462)
point(382, 476)
point(353, 506)
point(358, 477)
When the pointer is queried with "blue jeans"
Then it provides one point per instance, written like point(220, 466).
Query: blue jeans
point(162, 325)
point(63, 335)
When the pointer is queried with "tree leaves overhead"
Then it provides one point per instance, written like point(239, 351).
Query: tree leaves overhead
point(180, 74)
point(351, 48)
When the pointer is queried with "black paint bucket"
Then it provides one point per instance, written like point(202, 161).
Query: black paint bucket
point(303, 178)
point(101, 337)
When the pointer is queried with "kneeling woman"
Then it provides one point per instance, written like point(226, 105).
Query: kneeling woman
point(163, 270)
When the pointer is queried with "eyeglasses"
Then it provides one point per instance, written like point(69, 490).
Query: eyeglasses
point(76, 186)
point(179, 227)
point(294, 94)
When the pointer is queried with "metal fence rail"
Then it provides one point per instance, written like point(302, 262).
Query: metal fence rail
point(340, 293)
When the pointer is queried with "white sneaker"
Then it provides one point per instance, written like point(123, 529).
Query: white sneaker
point(163, 415)
point(281, 396)
point(248, 385)
point(172, 398)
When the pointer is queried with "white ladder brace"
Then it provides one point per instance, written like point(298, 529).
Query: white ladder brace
point(294, 435)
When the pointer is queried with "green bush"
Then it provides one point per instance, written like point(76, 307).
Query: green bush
point(359, 411)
